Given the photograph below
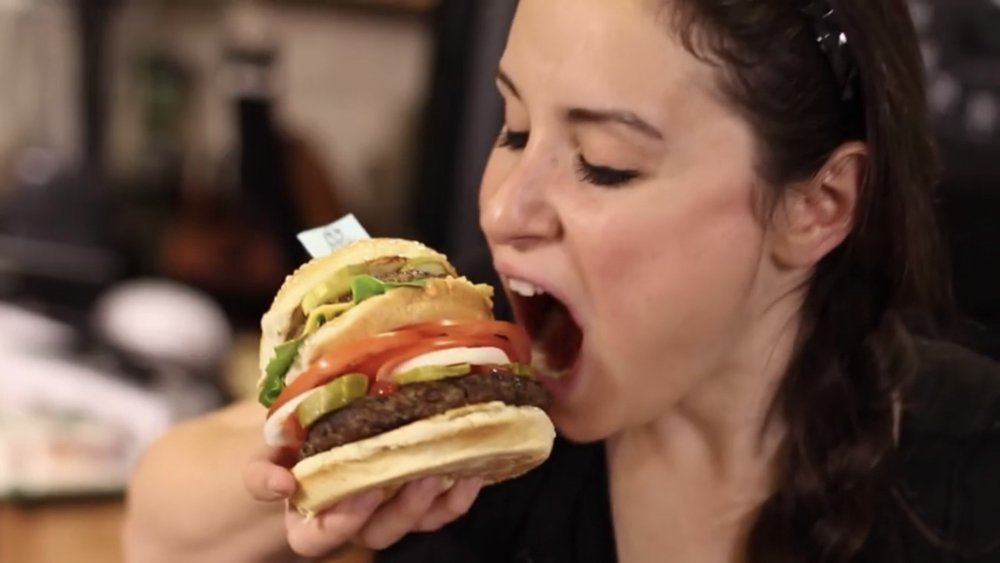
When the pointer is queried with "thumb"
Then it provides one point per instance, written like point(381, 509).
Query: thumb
point(265, 479)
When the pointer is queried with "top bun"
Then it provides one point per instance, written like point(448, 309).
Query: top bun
point(318, 270)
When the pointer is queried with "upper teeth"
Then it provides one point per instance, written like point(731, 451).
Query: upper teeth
point(523, 288)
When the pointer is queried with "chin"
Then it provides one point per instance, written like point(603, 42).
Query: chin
point(582, 425)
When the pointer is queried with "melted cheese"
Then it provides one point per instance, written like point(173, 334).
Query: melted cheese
point(328, 312)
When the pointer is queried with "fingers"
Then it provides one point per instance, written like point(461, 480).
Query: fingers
point(332, 529)
point(451, 505)
point(425, 505)
point(402, 514)
point(377, 523)
point(265, 480)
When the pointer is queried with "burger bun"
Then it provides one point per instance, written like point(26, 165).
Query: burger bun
point(491, 441)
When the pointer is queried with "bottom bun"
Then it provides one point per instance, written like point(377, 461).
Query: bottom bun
point(492, 441)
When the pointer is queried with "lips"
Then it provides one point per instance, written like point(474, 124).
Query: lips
point(556, 336)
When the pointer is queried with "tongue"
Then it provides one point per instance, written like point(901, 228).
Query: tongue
point(560, 339)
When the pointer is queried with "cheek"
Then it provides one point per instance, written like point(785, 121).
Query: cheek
point(674, 274)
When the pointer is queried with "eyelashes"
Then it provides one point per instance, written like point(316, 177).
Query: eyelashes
point(604, 176)
point(514, 140)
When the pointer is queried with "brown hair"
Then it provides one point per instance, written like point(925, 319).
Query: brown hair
point(854, 355)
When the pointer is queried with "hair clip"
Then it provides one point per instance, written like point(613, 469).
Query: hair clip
point(832, 41)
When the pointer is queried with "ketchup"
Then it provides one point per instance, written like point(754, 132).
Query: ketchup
point(490, 369)
point(297, 431)
point(383, 388)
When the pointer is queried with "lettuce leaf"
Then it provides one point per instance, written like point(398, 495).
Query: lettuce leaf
point(362, 287)
point(277, 368)
point(365, 286)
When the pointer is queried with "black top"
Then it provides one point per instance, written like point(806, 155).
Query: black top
point(950, 475)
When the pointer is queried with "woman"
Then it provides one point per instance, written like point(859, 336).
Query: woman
point(732, 201)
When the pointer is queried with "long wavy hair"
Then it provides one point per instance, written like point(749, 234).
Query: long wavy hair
point(854, 355)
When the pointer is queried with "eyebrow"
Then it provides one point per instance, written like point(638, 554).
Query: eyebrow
point(583, 115)
point(626, 118)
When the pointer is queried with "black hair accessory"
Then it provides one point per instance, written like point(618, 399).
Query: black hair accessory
point(832, 41)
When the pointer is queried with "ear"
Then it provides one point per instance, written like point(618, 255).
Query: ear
point(814, 217)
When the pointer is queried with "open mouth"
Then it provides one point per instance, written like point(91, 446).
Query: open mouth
point(555, 336)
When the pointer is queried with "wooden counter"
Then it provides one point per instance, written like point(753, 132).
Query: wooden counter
point(59, 532)
point(75, 532)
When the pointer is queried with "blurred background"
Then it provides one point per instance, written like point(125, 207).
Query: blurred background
point(157, 158)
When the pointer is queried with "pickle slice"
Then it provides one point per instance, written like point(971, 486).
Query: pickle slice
point(431, 373)
point(335, 395)
point(523, 370)
point(428, 265)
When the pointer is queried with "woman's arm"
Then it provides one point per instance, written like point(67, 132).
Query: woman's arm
point(210, 490)
point(187, 500)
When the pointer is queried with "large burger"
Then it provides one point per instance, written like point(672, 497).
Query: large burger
point(381, 365)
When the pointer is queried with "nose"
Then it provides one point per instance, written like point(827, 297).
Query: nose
point(515, 204)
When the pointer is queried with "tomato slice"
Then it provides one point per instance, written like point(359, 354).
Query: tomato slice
point(378, 355)
point(343, 360)
point(387, 364)
point(513, 333)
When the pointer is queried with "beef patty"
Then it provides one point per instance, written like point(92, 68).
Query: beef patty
point(373, 415)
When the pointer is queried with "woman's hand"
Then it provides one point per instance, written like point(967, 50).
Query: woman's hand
point(367, 519)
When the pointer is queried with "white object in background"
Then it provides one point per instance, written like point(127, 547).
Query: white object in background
point(324, 240)
point(66, 429)
point(164, 323)
point(38, 384)
point(25, 332)
point(46, 454)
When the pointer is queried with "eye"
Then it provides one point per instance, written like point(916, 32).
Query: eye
point(604, 175)
point(513, 140)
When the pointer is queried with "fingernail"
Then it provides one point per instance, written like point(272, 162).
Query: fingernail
point(447, 483)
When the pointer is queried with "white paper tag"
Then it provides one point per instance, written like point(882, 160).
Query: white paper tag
point(324, 240)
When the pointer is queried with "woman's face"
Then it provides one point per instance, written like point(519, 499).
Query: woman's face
point(623, 185)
